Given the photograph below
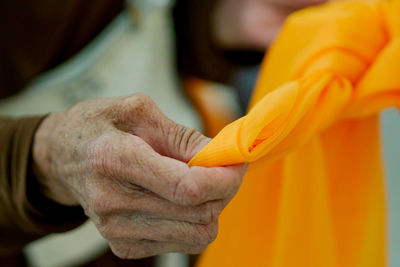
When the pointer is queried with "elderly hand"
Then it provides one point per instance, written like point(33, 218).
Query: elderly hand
point(252, 24)
point(124, 161)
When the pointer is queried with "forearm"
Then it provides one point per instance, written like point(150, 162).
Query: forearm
point(25, 214)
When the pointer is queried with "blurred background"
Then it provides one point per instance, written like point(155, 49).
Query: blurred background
point(136, 53)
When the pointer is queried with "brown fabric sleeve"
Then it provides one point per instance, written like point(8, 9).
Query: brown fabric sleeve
point(26, 215)
point(37, 35)
point(197, 53)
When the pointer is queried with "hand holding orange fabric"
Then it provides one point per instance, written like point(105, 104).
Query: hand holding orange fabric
point(313, 195)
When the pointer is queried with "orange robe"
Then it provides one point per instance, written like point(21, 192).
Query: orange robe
point(314, 192)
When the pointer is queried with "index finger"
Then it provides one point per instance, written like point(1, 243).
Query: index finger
point(137, 163)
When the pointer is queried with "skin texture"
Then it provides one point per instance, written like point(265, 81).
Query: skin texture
point(124, 162)
point(252, 24)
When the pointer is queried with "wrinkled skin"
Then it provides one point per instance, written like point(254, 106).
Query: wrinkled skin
point(124, 162)
point(252, 24)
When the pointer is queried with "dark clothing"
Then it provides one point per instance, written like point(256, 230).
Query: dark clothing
point(197, 53)
point(37, 35)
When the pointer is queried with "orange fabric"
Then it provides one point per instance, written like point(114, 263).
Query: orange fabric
point(314, 192)
point(214, 111)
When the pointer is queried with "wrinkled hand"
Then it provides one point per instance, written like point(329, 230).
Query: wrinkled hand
point(125, 163)
point(252, 24)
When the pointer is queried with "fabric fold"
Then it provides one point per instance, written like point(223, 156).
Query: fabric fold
point(314, 191)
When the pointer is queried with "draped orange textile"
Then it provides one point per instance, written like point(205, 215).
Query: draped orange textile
point(314, 191)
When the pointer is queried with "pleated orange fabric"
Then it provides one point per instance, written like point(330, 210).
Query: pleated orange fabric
point(314, 191)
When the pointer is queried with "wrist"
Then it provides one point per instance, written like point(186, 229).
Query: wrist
point(44, 157)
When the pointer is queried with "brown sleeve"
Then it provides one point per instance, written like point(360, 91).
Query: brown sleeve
point(197, 53)
point(37, 35)
point(26, 215)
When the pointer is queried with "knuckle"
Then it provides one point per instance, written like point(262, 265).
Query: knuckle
point(206, 234)
point(122, 254)
point(195, 249)
point(138, 104)
point(106, 231)
point(100, 200)
point(124, 251)
point(141, 99)
point(231, 180)
point(97, 203)
point(210, 213)
point(95, 199)
point(135, 111)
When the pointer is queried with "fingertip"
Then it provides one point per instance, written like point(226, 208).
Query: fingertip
point(239, 169)
point(229, 172)
point(236, 167)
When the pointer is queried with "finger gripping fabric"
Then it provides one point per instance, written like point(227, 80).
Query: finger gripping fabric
point(313, 194)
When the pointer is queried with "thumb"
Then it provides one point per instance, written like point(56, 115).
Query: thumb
point(184, 143)
point(143, 118)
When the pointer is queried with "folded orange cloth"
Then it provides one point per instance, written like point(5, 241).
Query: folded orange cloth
point(314, 192)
